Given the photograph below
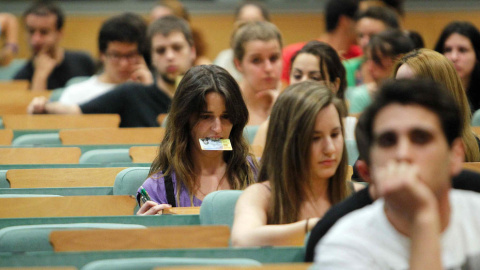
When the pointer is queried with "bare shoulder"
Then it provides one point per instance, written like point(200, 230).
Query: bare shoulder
point(258, 193)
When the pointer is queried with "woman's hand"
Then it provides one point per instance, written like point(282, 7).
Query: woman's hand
point(152, 208)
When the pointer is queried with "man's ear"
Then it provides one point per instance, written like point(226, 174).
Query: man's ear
point(363, 170)
point(238, 65)
point(457, 156)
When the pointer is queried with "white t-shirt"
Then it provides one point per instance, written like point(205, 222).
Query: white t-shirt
point(365, 239)
point(85, 91)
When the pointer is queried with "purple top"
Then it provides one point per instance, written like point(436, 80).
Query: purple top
point(155, 187)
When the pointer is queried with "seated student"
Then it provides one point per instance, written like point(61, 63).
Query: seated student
point(121, 41)
point(419, 222)
point(177, 8)
point(460, 43)
point(339, 33)
point(51, 65)
point(257, 48)
point(303, 170)
point(369, 21)
point(139, 105)
point(316, 61)
point(207, 104)
point(430, 64)
point(466, 180)
point(382, 51)
point(245, 11)
point(9, 33)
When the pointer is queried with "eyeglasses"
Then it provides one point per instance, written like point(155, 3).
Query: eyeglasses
point(116, 57)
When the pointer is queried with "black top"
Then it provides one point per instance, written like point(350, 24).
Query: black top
point(138, 105)
point(74, 64)
point(466, 180)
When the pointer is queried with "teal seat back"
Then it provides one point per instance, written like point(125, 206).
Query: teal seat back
point(105, 156)
point(3, 179)
point(476, 118)
point(218, 207)
point(9, 71)
point(39, 139)
point(129, 180)
point(150, 263)
point(352, 151)
point(249, 133)
point(31, 238)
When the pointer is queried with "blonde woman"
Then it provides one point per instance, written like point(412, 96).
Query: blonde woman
point(425, 63)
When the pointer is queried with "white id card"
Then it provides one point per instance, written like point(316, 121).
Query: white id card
point(213, 144)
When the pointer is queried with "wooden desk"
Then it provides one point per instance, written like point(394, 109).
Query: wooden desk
point(59, 121)
point(6, 136)
point(40, 155)
point(63, 177)
point(174, 237)
point(71, 206)
point(143, 154)
point(112, 136)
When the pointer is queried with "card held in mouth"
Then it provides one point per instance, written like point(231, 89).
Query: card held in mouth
point(215, 144)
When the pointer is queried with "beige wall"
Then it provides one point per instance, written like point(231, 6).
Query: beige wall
point(81, 31)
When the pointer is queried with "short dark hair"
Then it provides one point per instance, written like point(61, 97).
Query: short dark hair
point(330, 63)
point(383, 14)
point(423, 92)
point(44, 8)
point(168, 24)
point(263, 9)
point(127, 27)
point(391, 43)
point(336, 8)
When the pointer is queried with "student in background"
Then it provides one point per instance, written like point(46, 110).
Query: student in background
point(368, 22)
point(257, 48)
point(303, 170)
point(429, 64)
point(176, 8)
point(316, 61)
point(460, 43)
point(51, 66)
point(9, 33)
point(340, 34)
point(207, 104)
point(382, 51)
point(139, 105)
point(246, 11)
point(120, 42)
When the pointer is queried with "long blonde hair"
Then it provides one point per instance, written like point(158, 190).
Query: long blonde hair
point(188, 101)
point(286, 158)
point(427, 63)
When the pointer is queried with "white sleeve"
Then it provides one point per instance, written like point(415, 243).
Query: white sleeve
point(337, 251)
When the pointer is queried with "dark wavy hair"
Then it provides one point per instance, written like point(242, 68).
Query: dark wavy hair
point(188, 102)
point(330, 63)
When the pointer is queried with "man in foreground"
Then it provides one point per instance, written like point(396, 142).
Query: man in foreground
point(413, 135)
